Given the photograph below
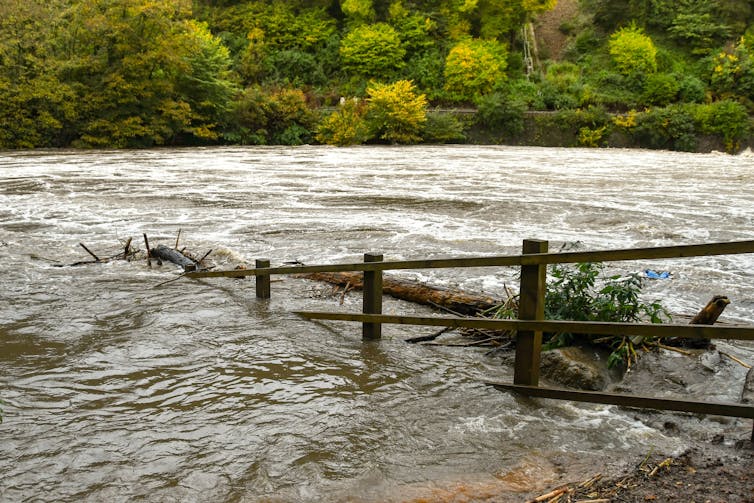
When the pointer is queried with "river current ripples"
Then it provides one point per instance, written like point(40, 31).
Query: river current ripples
point(113, 389)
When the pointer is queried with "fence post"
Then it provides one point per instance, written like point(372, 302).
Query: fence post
point(372, 303)
point(531, 306)
point(263, 280)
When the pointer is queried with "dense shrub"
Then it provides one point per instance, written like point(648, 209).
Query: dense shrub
point(271, 117)
point(346, 126)
point(633, 52)
point(372, 50)
point(661, 89)
point(691, 89)
point(728, 119)
point(670, 128)
point(395, 112)
point(443, 128)
point(501, 112)
point(473, 67)
point(733, 72)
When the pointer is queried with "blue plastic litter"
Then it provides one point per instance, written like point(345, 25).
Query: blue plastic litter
point(657, 275)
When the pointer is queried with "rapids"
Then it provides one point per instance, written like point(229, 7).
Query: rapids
point(114, 390)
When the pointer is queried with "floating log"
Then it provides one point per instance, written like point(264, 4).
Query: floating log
point(165, 253)
point(413, 291)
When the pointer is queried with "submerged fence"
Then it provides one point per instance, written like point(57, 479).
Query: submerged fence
point(530, 324)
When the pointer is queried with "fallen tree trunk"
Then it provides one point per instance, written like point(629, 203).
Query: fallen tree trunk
point(413, 291)
point(165, 253)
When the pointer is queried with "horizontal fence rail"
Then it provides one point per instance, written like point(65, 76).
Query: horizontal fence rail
point(716, 408)
point(654, 253)
point(554, 326)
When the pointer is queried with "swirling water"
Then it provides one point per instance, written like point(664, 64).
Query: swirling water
point(113, 389)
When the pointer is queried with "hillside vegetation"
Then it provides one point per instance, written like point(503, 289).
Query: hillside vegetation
point(673, 74)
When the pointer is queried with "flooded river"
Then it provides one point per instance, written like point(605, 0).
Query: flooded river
point(114, 390)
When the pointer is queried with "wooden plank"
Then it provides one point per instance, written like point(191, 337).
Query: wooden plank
point(372, 299)
point(643, 402)
point(744, 333)
point(531, 306)
point(700, 250)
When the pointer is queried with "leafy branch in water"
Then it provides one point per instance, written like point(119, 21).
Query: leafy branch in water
point(581, 293)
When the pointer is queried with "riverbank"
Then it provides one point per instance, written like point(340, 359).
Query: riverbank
point(706, 472)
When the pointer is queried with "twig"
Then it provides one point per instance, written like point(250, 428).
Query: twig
point(671, 348)
point(447, 310)
point(743, 364)
point(90, 252)
point(169, 281)
point(149, 254)
point(177, 238)
point(549, 496)
point(345, 291)
point(127, 248)
point(205, 256)
point(425, 338)
point(589, 483)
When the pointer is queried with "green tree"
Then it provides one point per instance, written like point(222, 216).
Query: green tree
point(145, 73)
point(36, 108)
point(633, 52)
point(372, 50)
point(395, 112)
point(473, 67)
point(698, 24)
point(360, 11)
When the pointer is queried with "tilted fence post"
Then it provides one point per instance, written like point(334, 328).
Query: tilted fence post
point(372, 303)
point(263, 280)
point(531, 306)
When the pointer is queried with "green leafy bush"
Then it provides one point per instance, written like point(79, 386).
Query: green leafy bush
point(271, 117)
point(473, 67)
point(633, 52)
point(443, 128)
point(396, 113)
point(579, 293)
point(728, 119)
point(661, 89)
point(346, 126)
point(672, 128)
point(732, 72)
point(372, 50)
point(501, 112)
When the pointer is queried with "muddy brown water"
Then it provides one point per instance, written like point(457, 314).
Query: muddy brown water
point(113, 390)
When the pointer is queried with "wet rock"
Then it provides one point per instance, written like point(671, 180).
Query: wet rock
point(704, 376)
point(576, 367)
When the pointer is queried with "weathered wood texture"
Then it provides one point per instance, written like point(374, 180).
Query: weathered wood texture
point(163, 252)
point(412, 291)
point(373, 283)
point(531, 306)
point(701, 250)
point(742, 333)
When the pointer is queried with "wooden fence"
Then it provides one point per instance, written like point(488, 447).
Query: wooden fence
point(531, 324)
